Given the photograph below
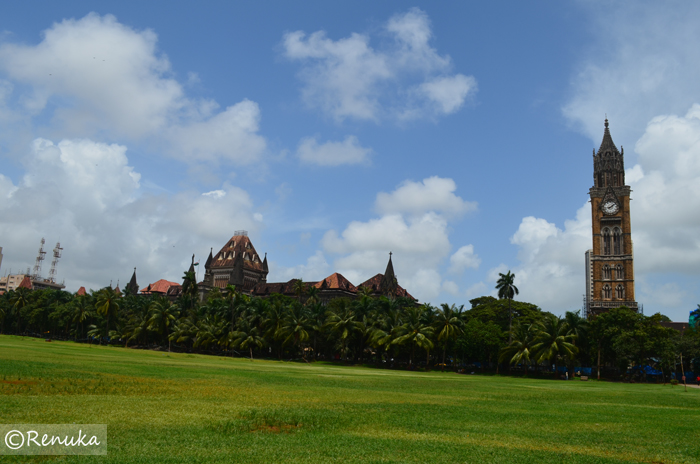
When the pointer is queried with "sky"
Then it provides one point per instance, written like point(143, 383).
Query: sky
point(456, 135)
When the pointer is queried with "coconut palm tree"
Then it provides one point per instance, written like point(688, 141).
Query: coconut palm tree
point(19, 299)
point(507, 289)
point(296, 326)
point(448, 325)
point(299, 288)
point(107, 304)
point(245, 336)
point(343, 323)
point(415, 331)
point(520, 348)
point(81, 311)
point(163, 313)
point(553, 339)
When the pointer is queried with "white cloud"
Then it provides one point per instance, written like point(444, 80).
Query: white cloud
point(86, 195)
point(315, 269)
point(348, 78)
point(646, 65)
point(97, 76)
point(464, 258)
point(416, 234)
point(348, 151)
point(432, 194)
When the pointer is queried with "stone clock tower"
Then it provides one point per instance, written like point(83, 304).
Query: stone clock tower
point(609, 264)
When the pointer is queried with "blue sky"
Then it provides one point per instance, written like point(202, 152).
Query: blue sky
point(457, 135)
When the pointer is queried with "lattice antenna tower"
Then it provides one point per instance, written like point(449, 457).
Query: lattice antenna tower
point(56, 254)
point(39, 258)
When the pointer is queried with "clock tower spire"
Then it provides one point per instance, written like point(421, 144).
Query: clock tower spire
point(609, 264)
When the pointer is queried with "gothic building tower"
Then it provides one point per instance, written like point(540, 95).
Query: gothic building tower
point(609, 264)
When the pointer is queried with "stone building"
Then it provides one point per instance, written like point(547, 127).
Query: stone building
point(609, 264)
point(237, 263)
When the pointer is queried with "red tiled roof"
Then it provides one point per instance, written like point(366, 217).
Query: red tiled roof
point(81, 291)
point(26, 283)
point(238, 246)
point(336, 281)
point(160, 286)
point(375, 282)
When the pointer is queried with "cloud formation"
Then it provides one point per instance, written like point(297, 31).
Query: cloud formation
point(349, 151)
point(95, 76)
point(87, 196)
point(407, 79)
point(417, 234)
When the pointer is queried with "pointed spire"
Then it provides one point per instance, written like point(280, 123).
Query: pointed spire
point(191, 269)
point(389, 283)
point(265, 264)
point(209, 259)
point(607, 144)
point(132, 287)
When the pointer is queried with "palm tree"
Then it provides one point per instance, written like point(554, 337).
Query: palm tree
point(81, 311)
point(313, 295)
point(299, 288)
point(553, 339)
point(296, 326)
point(343, 323)
point(448, 324)
point(163, 313)
point(107, 304)
point(506, 289)
point(19, 300)
point(245, 336)
point(190, 292)
point(520, 348)
point(415, 331)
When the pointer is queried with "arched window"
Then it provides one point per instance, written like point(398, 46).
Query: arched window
point(606, 272)
point(620, 292)
point(617, 241)
point(606, 241)
point(620, 272)
point(607, 292)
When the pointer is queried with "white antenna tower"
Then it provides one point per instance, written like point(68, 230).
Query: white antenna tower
point(39, 259)
point(56, 255)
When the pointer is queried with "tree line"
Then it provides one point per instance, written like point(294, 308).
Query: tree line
point(492, 335)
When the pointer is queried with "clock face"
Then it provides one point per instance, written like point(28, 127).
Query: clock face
point(610, 207)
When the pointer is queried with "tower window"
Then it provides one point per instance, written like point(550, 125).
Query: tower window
point(617, 241)
point(620, 292)
point(619, 272)
point(607, 291)
point(606, 272)
point(606, 241)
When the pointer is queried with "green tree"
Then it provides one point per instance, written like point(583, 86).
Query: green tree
point(296, 326)
point(163, 313)
point(19, 300)
point(448, 325)
point(507, 290)
point(343, 323)
point(107, 304)
point(553, 339)
point(245, 336)
point(82, 310)
point(416, 332)
point(520, 348)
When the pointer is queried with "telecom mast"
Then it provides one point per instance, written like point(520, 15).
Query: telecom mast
point(56, 255)
point(39, 259)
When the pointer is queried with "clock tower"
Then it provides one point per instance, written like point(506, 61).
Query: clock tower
point(609, 264)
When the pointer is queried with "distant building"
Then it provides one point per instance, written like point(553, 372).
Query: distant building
point(162, 287)
point(14, 281)
point(0, 257)
point(239, 264)
point(609, 264)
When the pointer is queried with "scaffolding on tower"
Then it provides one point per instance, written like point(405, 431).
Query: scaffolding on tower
point(39, 258)
point(56, 254)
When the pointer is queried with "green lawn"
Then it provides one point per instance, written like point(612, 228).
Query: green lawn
point(164, 408)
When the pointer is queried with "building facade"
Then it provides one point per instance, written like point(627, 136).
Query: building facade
point(609, 263)
point(237, 263)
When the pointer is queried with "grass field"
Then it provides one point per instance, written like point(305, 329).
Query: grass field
point(164, 408)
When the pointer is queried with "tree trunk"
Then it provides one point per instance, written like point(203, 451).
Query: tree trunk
point(598, 360)
point(251, 352)
point(444, 348)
